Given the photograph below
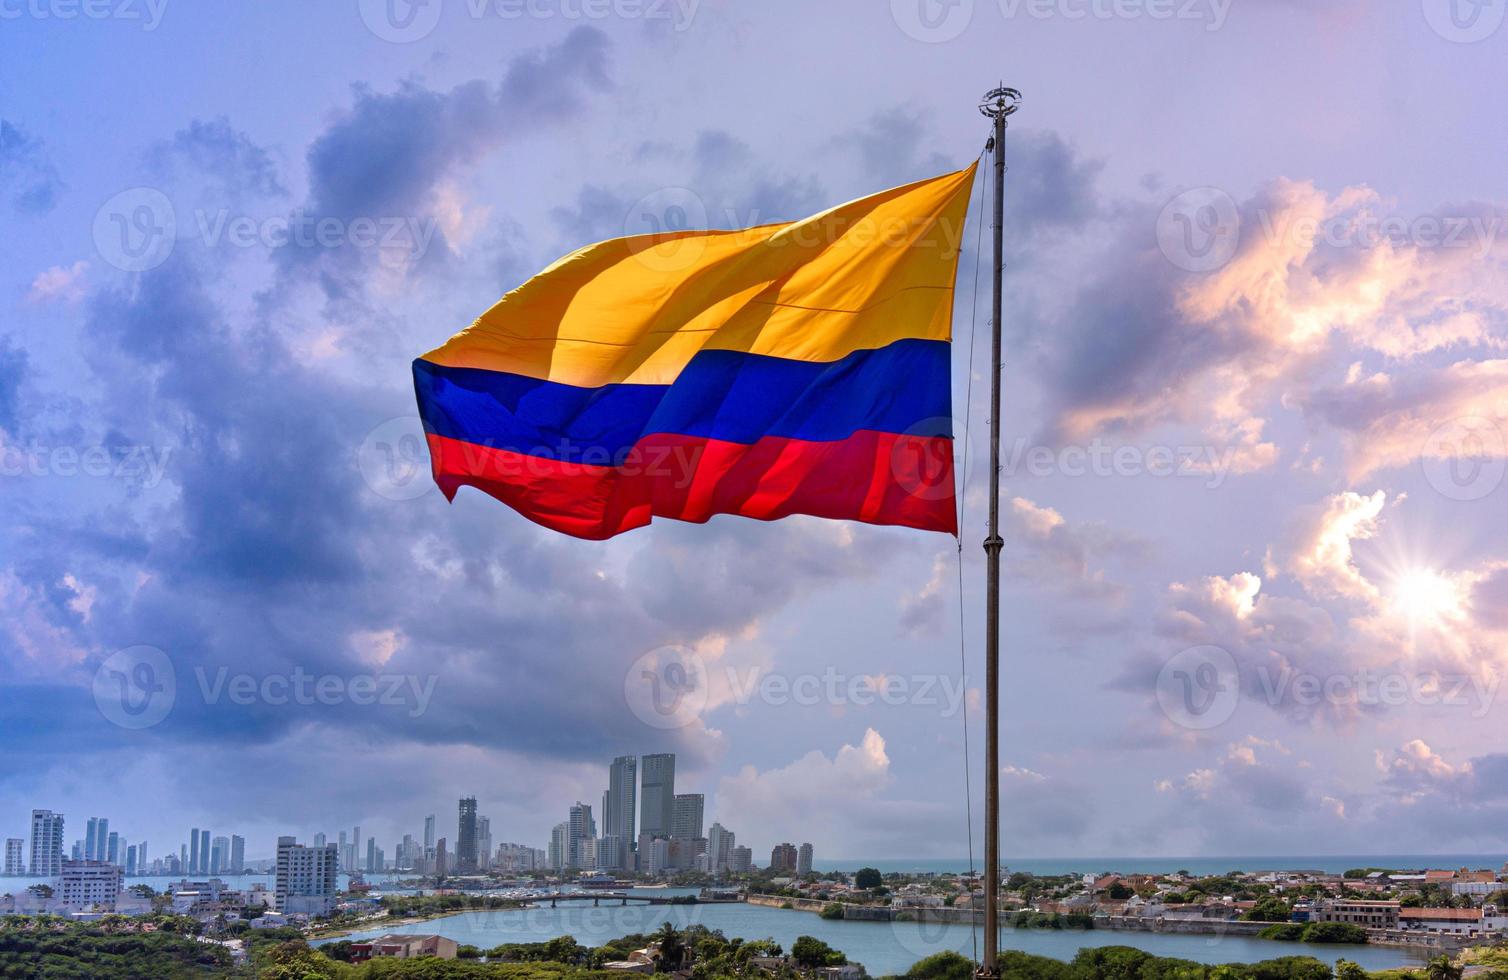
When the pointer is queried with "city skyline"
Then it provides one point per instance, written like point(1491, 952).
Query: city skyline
point(204, 855)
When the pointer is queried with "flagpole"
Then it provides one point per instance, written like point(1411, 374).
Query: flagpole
point(997, 104)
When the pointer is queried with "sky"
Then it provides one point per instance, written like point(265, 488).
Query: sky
point(1255, 425)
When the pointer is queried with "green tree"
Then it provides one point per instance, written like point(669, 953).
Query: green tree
point(868, 878)
point(1269, 909)
point(672, 950)
point(1334, 932)
point(811, 952)
point(942, 966)
point(1441, 968)
point(1347, 970)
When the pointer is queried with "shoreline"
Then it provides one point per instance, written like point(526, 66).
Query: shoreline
point(1103, 923)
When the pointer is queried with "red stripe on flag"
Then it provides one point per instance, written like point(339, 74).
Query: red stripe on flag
point(873, 477)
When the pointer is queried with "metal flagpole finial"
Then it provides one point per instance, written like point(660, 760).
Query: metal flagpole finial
point(1000, 102)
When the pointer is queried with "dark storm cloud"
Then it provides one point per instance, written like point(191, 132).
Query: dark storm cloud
point(216, 150)
point(12, 371)
point(31, 181)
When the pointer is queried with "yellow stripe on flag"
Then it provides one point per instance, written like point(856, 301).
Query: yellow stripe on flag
point(858, 277)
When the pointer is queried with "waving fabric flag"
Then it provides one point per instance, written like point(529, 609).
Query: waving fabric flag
point(787, 369)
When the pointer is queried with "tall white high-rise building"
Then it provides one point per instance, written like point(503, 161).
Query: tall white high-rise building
point(656, 794)
point(582, 829)
point(429, 835)
point(720, 843)
point(46, 844)
point(743, 859)
point(804, 860)
point(15, 856)
point(686, 816)
point(219, 856)
point(560, 836)
point(306, 878)
point(237, 854)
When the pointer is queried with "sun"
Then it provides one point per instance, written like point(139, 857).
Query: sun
point(1425, 596)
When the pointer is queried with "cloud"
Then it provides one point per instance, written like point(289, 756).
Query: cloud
point(1144, 344)
point(1319, 554)
point(391, 156)
point(32, 183)
point(59, 284)
point(212, 148)
point(815, 796)
point(12, 373)
point(1390, 421)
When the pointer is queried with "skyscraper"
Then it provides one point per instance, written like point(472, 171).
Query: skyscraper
point(804, 860)
point(15, 850)
point(91, 839)
point(112, 849)
point(686, 816)
point(466, 834)
point(720, 845)
point(46, 844)
point(559, 845)
point(203, 852)
point(622, 797)
point(657, 794)
point(581, 828)
point(429, 833)
point(238, 854)
point(219, 856)
point(783, 857)
point(193, 859)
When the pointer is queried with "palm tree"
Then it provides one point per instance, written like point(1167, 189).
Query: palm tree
point(1441, 968)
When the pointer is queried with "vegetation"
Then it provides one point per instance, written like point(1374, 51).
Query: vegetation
point(1269, 909)
point(832, 910)
point(53, 949)
point(868, 878)
point(1315, 932)
point(1125, 963)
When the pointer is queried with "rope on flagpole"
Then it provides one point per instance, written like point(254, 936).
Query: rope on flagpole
point(963, 665)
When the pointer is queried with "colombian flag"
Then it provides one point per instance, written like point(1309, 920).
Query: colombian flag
point(787, 369)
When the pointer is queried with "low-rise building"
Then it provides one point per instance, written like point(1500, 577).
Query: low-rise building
point(1357, 912)
point(401, 947)
point(1458, 922)
point(89, 886)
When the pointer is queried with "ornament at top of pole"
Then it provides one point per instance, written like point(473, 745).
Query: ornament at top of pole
point(1000, 102)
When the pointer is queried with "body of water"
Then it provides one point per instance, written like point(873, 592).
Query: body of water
point(883, 947)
